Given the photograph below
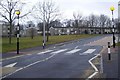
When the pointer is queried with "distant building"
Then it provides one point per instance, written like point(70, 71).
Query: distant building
point(81, 30)
point(4, 27)
point(31, 31)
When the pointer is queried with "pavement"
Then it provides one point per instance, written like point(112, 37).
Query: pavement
point(64, 60)
point(110, 67)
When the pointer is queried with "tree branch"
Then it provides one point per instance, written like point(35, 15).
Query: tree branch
point(5, 17)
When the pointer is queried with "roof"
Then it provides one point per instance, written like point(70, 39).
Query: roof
point(86, 27)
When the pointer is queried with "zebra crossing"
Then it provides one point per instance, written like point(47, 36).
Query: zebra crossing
point(72, 51)
point(69, 51)
point(59, 51)
point(89, 51)
point(45, 52)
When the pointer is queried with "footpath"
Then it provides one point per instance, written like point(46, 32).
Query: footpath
point(111, 66)
point(109, 69)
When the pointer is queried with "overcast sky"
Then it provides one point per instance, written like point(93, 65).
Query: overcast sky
point(86, 7)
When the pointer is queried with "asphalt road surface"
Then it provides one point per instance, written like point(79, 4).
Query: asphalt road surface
point(66, 61)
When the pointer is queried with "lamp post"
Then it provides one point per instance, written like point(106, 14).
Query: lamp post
point(112, 9)
point(44, 38)
point(18, 30)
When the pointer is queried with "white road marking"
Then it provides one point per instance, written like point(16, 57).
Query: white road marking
point(73, 51)
point(29, 66)
point(29, 54)
point(95, 68)
point(12, 57)
point(82, 54)
point(89, 51)
point(45, 52)
point(11, 65)
point(76, 47)
point(59, 51)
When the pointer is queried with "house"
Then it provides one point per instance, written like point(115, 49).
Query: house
point(80, 30)
point(5, 31)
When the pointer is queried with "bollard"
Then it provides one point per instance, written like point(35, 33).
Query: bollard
point(43, 46)
point(109, 55)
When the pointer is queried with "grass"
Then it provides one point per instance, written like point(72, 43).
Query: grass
point(0, 44)
point(27, 42)
point(118, 44)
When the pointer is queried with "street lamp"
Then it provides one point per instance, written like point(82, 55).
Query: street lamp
point(112, 9)
point(44, 38)
point(18, 30)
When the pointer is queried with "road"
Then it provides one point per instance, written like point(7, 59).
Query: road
point(66, 61)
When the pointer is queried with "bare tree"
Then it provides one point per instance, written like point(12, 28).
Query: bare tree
point(92, 20)
point(85, 23)
point(68, 23)
point(56, 23)
point(78, 20)
point(108, 22)
point(40, 26)
point(47, 10)
point(77, 16)
point(102, 21)
point(7, 12)
point(31, 26)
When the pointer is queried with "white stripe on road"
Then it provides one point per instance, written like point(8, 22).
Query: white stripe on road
point(59, 51)
point(76, 47)
point(45, 52)
point(95, 68)
point(89, 51)
point(28, 66)
point(11, 65)
point(29, 54)
point(73, 51)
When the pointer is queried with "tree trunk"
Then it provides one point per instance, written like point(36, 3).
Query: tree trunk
point(10, 32)
point(47, 32)
point(32, 33)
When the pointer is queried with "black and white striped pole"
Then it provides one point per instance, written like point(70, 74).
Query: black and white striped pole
point(109, 55)
point(44, 31)
point(18, 30)
point(112, 9)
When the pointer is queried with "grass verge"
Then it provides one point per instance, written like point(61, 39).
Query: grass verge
point(118, 44)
